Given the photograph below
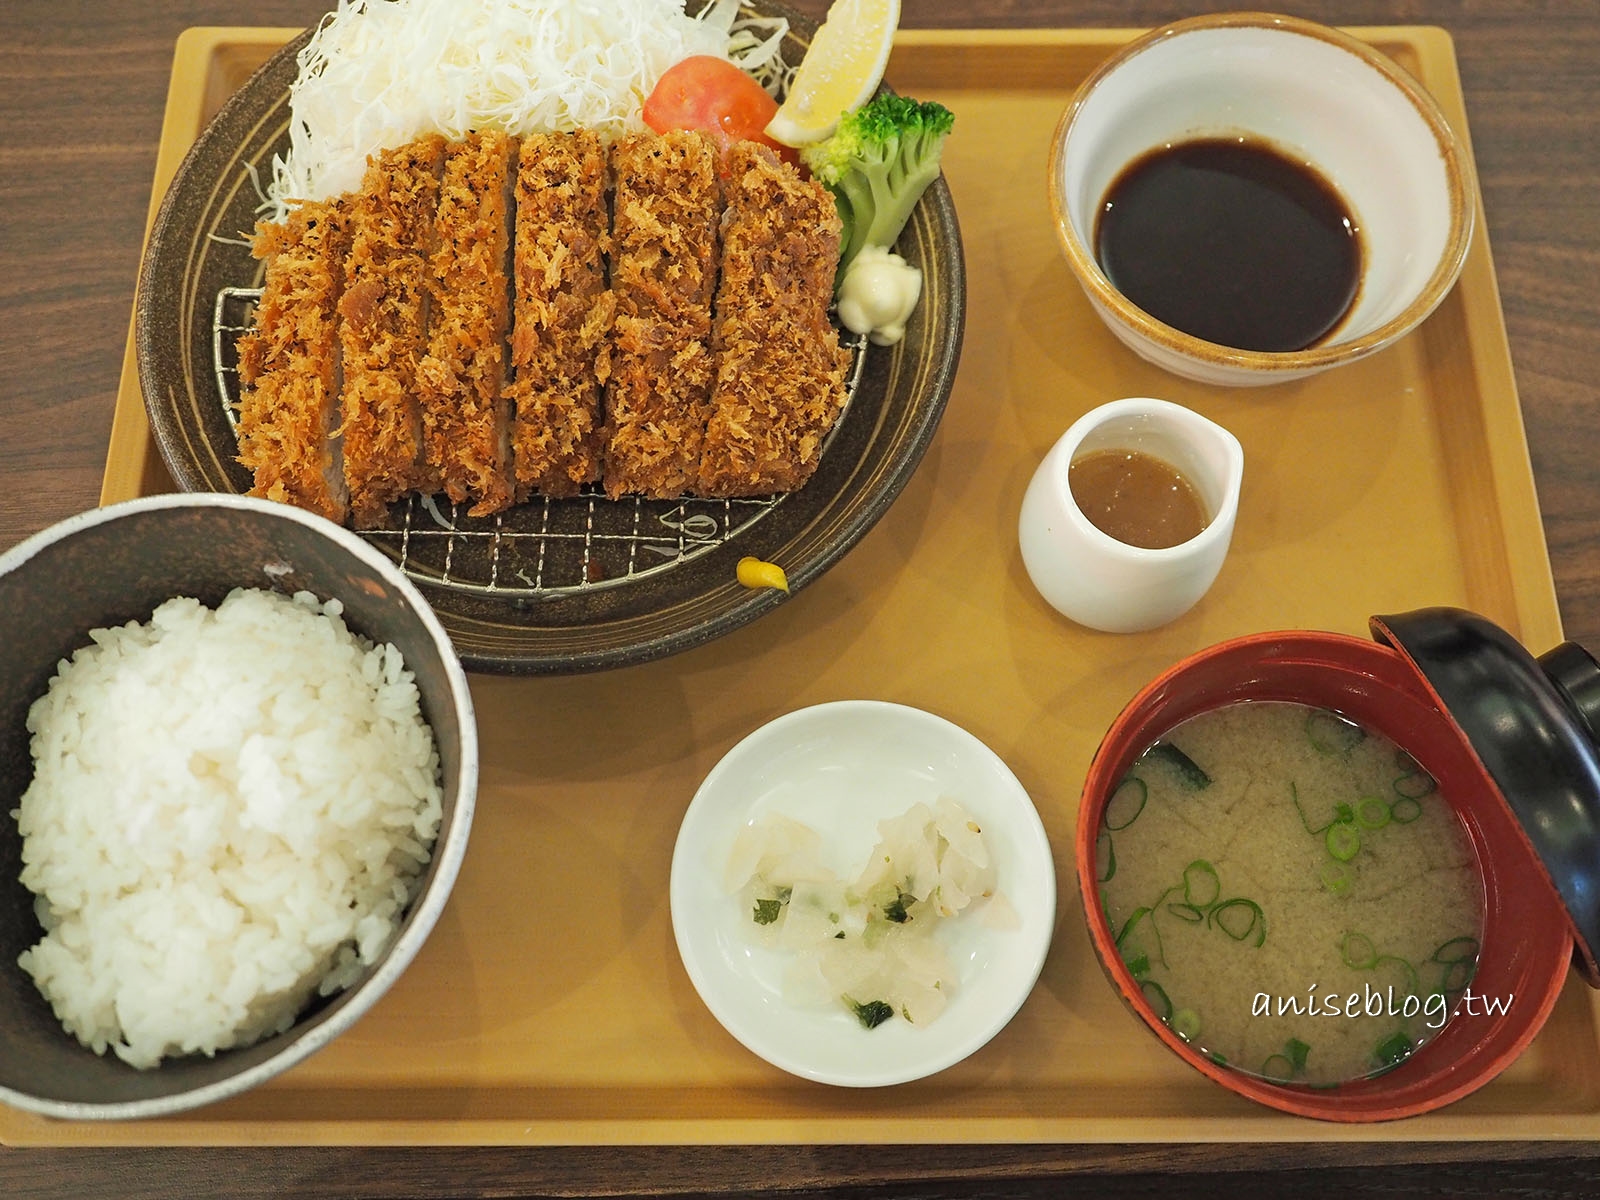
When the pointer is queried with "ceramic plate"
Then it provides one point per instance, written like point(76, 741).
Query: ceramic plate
point(840, 769)
point(546, 587)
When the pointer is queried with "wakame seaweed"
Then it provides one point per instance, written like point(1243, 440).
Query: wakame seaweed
point(1191, 774)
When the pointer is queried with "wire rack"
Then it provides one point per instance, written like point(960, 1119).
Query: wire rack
point(541, 549)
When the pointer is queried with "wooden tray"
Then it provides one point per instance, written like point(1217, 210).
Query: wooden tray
point(550, 1006)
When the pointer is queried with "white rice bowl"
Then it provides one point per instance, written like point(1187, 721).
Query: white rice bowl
point(230, 813)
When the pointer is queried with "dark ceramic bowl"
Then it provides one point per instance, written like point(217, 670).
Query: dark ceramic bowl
point(571, 585)
point(114, 565)
point(1527, 940)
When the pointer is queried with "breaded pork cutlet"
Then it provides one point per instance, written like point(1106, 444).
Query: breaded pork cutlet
point(462, 379)
point(663, 271)
point(384, 313)
point(781, 372)
point(562, 312)
point(289, 363)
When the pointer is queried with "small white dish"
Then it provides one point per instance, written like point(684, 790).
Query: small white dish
point(841, 768)
point(1089, 576)
point(1321, 97)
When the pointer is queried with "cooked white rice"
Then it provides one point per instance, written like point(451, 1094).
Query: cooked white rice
point(230, 812)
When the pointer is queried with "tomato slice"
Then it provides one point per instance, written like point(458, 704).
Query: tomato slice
point(714, 96)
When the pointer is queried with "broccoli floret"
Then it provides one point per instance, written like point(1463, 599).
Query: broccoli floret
point(877, 164)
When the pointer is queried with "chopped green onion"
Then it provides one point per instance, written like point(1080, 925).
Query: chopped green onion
point(1186, 912)
point(1125, 941)
point(1343, 842)
point(1405, 810)
point(1336, 877)
point(1457, 949)
point(1138, 965)
point(1357, 952)
point(1134, 918)
point(1157, 996)
point(1393, 1050)
point(1458, 960)
point(1201, 885)
point(1297, 1052)
point(1186, 1024)
point(1294, 795)
point(1222, 917)
point(1190, 773)
point(1278, 1068)
point(1332, 734)
point(1125, 947)
point(1454, 977)
point(1372, 812)
point(1414, 787)
point(1105, 857)
point(1413, 782)
point(1126, 803)
point(1412, 984)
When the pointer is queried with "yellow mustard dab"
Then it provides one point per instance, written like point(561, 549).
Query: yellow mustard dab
point(754, 573)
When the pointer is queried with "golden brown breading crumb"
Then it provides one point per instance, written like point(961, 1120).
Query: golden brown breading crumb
point(781, 372)
point(459, 308)
point(562, 312)
point(663, 271)
point(384, 324)
point(461, 380)
point(289, 363)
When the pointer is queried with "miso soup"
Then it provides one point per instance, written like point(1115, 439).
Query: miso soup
point(1291, 891)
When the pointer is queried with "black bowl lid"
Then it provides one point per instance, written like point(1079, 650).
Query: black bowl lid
point(1532, 723)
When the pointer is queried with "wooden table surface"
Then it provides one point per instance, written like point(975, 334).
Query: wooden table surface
point(82, 85)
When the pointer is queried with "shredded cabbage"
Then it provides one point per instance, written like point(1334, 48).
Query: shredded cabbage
point(755, 43)
point(380, 73)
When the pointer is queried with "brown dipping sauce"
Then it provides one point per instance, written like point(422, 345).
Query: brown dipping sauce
point(1233, 242)
point(1136, 498)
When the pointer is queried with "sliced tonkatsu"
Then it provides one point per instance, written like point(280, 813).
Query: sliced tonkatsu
point(384, 325)
point(780, 382)
point(289, 363)
point(462, 380)
point(562, 312)
point(545, 318)
point(666, 209)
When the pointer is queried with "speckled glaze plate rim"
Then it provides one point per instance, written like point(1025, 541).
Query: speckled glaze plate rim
point(879, 443)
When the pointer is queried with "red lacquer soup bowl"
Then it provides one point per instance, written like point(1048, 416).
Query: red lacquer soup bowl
point(1527, 941)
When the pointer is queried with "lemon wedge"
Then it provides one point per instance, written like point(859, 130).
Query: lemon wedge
point(840, 71)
